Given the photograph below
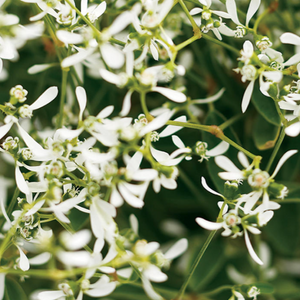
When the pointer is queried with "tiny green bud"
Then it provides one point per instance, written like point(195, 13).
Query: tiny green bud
point(231, 190)
point(278, 190)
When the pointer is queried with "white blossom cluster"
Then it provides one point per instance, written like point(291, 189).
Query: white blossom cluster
point(97, 164)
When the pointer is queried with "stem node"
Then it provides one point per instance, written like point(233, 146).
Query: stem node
point(216, 130)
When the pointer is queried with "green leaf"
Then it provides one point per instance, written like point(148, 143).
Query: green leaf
point(209, 266)
point(265, 106)
point(265, 134)
point(265, 288)
point(284, 241)
point(13, 290)
point(286, 288)
point(78, 219)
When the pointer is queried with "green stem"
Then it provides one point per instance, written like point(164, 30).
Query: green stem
point(230, 121)
point(10, 234)
point(187, 42)
point(84, 18)
point(289, 200)
point(235, 145)
point(296, 120)
point(60, 118)
point(277, 146)
point(200, 255)
point(88, 22)
point(11, 205)
point(282, 118)
point(144, 106)
point(170, 293)
point(196, 29)
point(258, 20)
point(47, 274)
point(215, 130)
point(217, 291)
point(196, 262)
point(220, 43)
point(206, 128)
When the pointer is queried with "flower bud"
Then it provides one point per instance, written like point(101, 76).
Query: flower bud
point(206, 14)
point(25, 111)
point(231, 190)
point(93, 189)
point(18, 94)
point(240, 32)
point(253, 292)
point(263, 44)
point(259, 179)
point(11, 144)
point(66, 288)
point(278, 190)
point(154, 136)
point(56, 169)
point(26, 154)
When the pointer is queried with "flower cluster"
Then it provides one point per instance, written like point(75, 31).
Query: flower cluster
point(119, 124)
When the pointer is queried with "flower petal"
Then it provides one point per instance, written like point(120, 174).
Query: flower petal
point(2, 285)
point(153, 273)
point(39, 68)
point(35, 147)
point(247, 95)
point(251, 250)
point(24, 262)
point(40, 259)
point(169, 130)
point(293, 130)
point(21, 183)
point(113, 56)
point(51, 295)
point(177, 141)
point(210, 99)
point(204, 184)
point(195, 11)
point(290, 38)
point(110, 77)
point(69, 37)
point(5, 129)
point(76, 58)
point(231, 8)
point(225, 163)
point(82, 100)
point(134, 223)
point(77, 240)
point(177, 249)
point(170, 94)
point(126, 104)
point(208, 225)
point(282, 160)
point(253, 7)
point(218, 150)
point(130, 198)
point(156, 123)
point(243, 159)
point(49, 95)
point(149, 289)
point(293, 60)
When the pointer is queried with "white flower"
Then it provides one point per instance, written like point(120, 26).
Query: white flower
point(216, 26)
point(232, 11)
point(148, 79)
point(100, 288)
point(293, 39)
